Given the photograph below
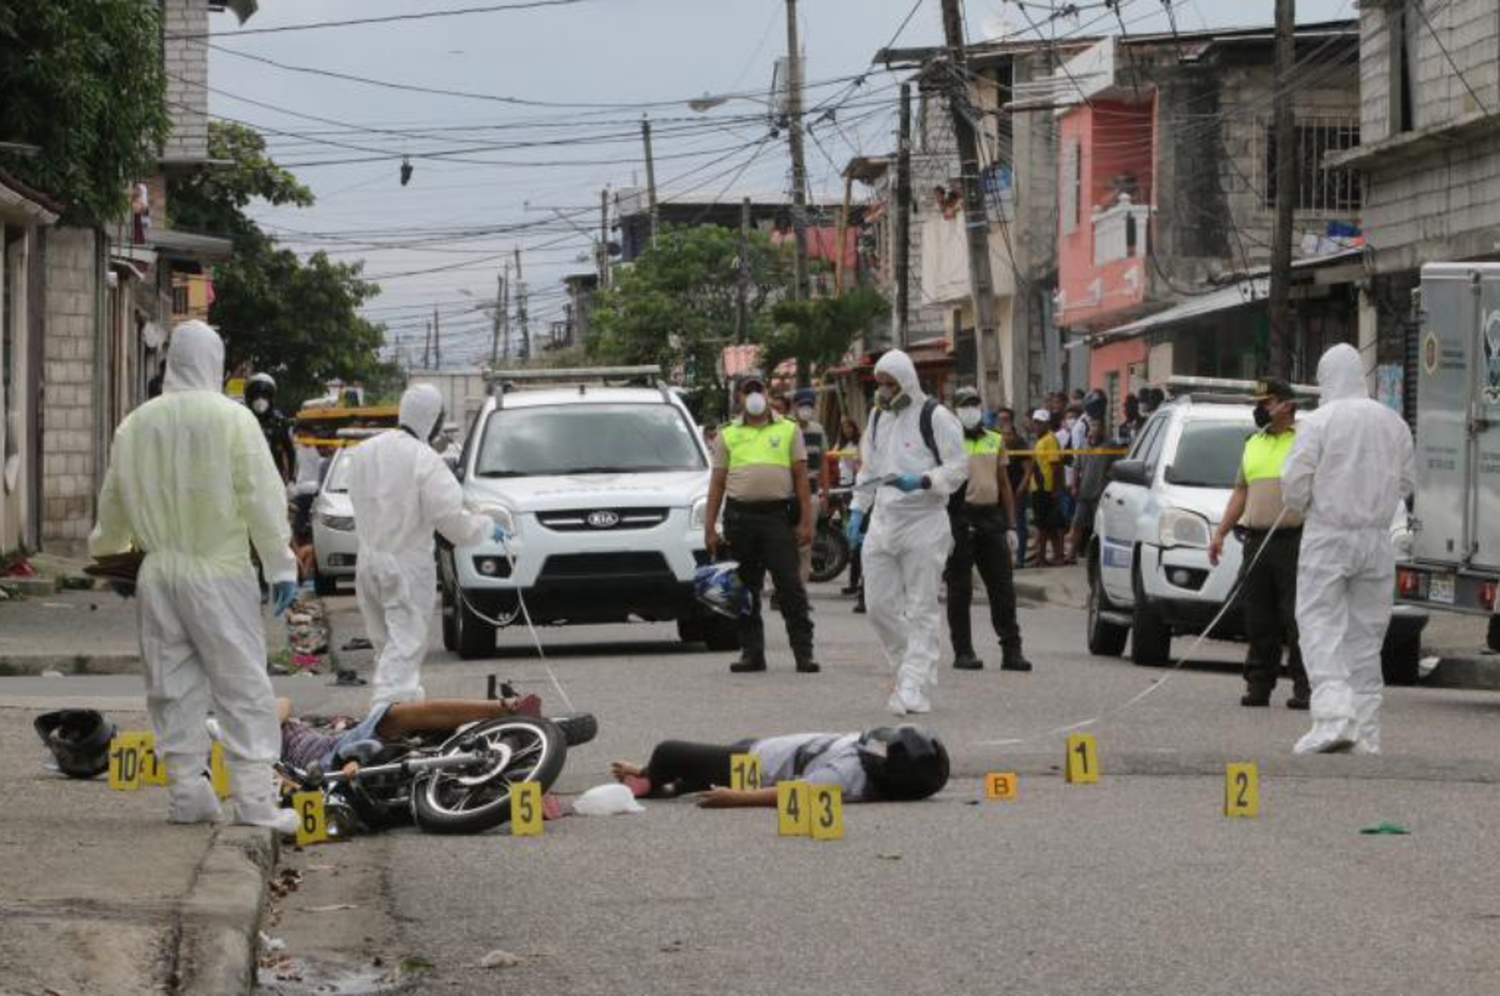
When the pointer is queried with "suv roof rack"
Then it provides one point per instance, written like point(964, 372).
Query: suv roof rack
point(650, 374)
point(1223, 390)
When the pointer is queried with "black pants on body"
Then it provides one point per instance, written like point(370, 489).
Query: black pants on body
point(1270, 596)
point(679, 766)
point(979, 540)
point(762, 540)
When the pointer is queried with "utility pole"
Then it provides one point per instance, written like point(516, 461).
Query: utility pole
point(794, 138)
point(742, 295)
point(505, 313)
point(437, 340)
point(1283, 335)
point(976, 216)
point(603, 250)
point(427, 347)
point(903, 217)
point(650, 182)
point(521, 309)
point(495, 334)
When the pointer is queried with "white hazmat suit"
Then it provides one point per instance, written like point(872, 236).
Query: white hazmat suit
point(403, 492)
point(909, 537)
point(192, 484)
point(1351, 464)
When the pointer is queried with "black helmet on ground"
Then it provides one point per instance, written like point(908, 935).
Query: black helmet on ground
point(904, 763)
point(79, 739)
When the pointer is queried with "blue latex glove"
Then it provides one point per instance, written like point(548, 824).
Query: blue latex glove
point(282, 595)
point(907, 482)
point(854, 532)
point(500, 535)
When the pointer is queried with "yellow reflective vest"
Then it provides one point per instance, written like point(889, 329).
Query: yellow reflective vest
point(765, 445)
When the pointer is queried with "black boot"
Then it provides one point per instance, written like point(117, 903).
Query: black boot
point(1256, 698)
point(1301, 698)
point(749, 662)
point(1014, 660)
point(806, 664)
point(967, 661)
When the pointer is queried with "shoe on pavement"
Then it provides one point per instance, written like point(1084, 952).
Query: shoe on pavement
point(859, 606)
point(1255, 700)
point(1015, 662)
point(1365, 747)
point(194, 801)
point(904, 701)
point(1330, 738)
point(748, 665)
point(967, 662)
point(849, 589)
point(808, 666)
point(1301, 701)
point(283, 821)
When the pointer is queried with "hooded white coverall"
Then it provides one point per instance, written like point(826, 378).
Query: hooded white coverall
point(403, 492)
point(909, 537)
point(1351, 464)
point(191, 482)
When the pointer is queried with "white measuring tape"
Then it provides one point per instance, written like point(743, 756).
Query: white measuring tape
point(526, 615)
point(1170, 672)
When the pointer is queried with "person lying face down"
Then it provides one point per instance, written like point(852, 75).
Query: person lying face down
point(888, 763)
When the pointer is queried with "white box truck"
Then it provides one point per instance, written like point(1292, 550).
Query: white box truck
point(1455, 549)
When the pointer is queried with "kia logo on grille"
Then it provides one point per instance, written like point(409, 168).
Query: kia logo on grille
point(604, 519)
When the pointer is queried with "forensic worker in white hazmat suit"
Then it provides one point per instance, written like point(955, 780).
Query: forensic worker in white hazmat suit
point(403, 492)
point(192, 484)
point(911, 459)
point(1350, 466)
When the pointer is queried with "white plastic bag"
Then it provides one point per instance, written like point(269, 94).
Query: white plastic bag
point(607, 800)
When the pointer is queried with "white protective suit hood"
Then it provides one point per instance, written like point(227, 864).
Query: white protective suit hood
point(421, 408)
point(195, 359)
point(898, 365)
point(1341, 375)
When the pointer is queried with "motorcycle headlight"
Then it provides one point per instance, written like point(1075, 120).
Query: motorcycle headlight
point(504, 517)
point(342, 523)
point(1178, 527)
point(698, 514)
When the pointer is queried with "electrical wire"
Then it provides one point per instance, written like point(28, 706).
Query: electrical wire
point(386, 19)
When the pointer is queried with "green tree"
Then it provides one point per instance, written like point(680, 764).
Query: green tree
point(818, 332)
point(83, 80)
point(676, 305)
point(296, 320)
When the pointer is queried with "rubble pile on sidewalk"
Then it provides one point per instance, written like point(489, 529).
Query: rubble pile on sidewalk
point(307, 640)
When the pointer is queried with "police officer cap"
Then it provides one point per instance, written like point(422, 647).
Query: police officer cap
point(1273, 387)
point(805, 396)
point(966, 396)
point(751, 377)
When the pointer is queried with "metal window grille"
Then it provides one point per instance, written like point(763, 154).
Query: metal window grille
point(1320, 189)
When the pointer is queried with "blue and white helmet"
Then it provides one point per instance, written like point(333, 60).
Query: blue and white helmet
point(719, 587)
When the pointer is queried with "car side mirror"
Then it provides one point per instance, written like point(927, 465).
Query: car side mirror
point(1130, 472)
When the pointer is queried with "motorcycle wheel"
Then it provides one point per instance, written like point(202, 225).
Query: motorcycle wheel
point(830, 552)
point(472, 801)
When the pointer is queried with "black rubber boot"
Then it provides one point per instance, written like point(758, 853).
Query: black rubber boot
point(967, 661)
point(748, 663)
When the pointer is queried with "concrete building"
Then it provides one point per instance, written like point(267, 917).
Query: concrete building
point(1429, 150)
point(1166, 199)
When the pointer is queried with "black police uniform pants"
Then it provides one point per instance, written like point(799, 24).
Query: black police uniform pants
point(1270, 596)
point(762, 541)
point(979, 540)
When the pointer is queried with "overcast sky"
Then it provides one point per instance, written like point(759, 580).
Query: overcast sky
point(606, 62)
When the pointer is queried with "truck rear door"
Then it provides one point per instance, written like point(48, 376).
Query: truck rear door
point(1450, 305)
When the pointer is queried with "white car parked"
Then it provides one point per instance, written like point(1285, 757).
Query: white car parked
point(1149, 575)
point(334, 541)
point(603, 491)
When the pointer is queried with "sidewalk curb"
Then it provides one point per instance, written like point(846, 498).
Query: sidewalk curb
point(29, 665)
point(218, 947)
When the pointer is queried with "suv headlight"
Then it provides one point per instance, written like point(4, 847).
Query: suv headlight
point(1178, 527)
point(342, 523)
point(698, 514)
point(504, 517)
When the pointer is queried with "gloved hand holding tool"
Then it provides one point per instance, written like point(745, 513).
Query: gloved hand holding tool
point(854, 532)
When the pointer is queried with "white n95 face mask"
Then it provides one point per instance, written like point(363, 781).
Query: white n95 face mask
point(260, 406)
point(755, 404)
point(970, 416)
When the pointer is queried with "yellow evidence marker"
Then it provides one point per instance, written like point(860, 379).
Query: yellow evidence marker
point(744, 772)
point(1242, 790)
point(1000, 785)
point(125, 762)
point(827, 812)
point(153, 768)
point(794, 809)
point(312, 828)
point(1083, 760)
point(526, 809)
point(218, 771)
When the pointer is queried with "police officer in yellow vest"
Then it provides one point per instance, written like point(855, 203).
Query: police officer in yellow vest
point(982, 515)
point(760, 478)
point(1269, 591)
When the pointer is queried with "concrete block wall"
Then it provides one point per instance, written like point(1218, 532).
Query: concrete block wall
point(1468, 29)
point(187, 77)
point(68, 396)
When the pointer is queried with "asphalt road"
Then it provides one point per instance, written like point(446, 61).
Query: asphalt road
point(1135, 885)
